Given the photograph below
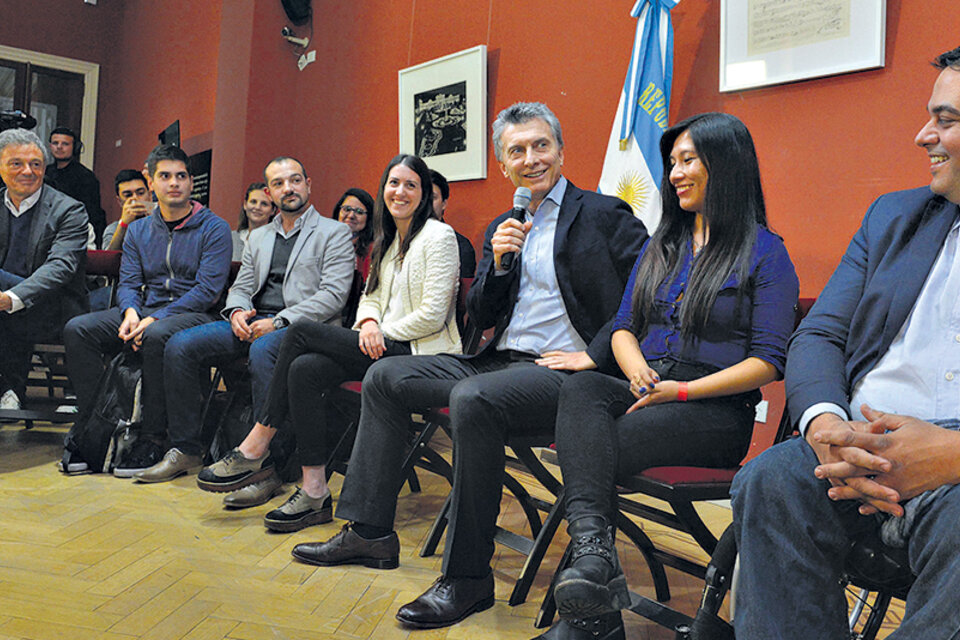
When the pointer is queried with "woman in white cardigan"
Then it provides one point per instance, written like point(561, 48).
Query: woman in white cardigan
point(409, 307)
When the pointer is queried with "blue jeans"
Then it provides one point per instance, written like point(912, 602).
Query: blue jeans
point(793, 542)
point(187, 359)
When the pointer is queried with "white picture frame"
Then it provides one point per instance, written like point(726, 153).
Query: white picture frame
point(443, 113)
point(768, 42)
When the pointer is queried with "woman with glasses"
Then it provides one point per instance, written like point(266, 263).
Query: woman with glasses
point(408, 307)
point(353, 209)
point(703, 325)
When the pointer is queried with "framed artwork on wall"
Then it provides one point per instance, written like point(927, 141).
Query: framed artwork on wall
point(443, 113)
point(767, 42)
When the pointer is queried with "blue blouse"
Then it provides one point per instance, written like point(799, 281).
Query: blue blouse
point(758, 328)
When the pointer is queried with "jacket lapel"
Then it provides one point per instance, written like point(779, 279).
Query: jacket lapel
point(570, 208)
point(919, 255)
point(308, 228)
point(266, 254)
point(4, 226)
point(41, 213)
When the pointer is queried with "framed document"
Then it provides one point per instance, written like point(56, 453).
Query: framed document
point(443, 113)
point(766, 42)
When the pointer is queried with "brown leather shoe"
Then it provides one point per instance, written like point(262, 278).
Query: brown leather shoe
point(175, 463)
point(349, 548)
point(447, 602)
point(254, 495)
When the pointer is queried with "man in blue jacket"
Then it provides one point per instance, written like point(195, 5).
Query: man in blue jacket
point(174, 270)
point(881, 345)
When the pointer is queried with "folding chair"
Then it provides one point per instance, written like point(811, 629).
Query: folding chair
point(680, 487)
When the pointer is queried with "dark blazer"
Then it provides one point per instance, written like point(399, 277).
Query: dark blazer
point(58, 237)
point(597, 241)
point(868, 297)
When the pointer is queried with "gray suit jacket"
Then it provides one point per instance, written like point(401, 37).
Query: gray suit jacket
point(318, 275)
point(58, 238)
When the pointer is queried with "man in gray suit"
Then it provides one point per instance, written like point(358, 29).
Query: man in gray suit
point(298, 267)
point(43, 237)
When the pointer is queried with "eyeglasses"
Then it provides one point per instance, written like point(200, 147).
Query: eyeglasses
point(354, 210)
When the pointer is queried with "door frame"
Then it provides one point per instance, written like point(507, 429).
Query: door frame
point(91, 84)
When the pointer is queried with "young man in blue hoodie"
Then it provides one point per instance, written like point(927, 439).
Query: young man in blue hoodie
point(175, 266)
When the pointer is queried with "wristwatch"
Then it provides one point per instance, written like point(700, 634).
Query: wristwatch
point(279, 323)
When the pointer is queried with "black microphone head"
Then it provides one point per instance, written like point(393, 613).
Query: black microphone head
point(521, 198)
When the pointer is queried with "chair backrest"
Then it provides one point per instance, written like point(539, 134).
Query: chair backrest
point(103, 263)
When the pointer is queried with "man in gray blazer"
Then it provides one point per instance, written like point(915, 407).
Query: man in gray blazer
point(43, 237)
point(298, 267)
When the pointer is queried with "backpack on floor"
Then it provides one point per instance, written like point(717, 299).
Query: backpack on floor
point(101, 436)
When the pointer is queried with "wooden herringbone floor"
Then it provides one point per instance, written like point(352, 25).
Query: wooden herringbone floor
point(95, 557)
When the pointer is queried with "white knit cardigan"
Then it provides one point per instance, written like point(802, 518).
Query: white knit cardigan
point(428, 281)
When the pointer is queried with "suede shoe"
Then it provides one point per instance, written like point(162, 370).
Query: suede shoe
point(299, 511)
point(347, 547)
point(593, 584)
point(254, 495)
point(447, 602)
point(234, 471)
point(606, 627)
point(175, 463)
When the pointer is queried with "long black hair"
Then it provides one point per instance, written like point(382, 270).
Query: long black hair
point(385, 229)
point(733, 210)
point(365, 235)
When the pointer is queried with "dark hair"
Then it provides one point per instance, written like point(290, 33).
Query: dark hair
point(519, 113)
point(440, 182)
point(733, 209)
point(282, 159)
point(67, 131)
point(126, 175)
point(385, 229)
point(243, 222)
point(166, 152)
point(365, 236)
point(949, 59)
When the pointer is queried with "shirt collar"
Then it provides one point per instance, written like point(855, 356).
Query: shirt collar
point(277, 222)
point(556, 194)
point(25, 204)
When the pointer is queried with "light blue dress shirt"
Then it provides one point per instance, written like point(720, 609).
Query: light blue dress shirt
point(540, 322)
point(919, 375)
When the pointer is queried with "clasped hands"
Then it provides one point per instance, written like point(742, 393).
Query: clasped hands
point(132, 328)
point(646, 386)
point(881, 462)
point(246, 330)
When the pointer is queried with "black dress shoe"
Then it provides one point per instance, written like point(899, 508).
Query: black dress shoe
point(447, 602)
point(606, 627)
point(593, 584)
point(349, 548)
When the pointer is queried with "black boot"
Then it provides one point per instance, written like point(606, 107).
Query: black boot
point(593, 583)
point(606, 627)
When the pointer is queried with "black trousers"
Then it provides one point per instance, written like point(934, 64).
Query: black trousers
point(19, 332)
point(598, 443)
point(89, 337)
point(315, 358)
point(491, 396)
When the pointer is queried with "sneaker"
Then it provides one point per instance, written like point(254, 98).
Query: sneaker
point(300, 511)
point(143, 454)
point(72, 464)
point(9, 401)
point(234, 471)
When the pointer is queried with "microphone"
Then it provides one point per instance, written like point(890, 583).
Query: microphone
point(521, 200)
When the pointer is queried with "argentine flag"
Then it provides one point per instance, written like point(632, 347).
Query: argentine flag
point(632, 168)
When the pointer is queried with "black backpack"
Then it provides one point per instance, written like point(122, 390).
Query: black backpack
point(100, 436)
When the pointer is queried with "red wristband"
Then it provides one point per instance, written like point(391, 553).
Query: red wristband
point(123, 225)
point(682, 391)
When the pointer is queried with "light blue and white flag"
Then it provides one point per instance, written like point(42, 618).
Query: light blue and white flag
point(632, 169)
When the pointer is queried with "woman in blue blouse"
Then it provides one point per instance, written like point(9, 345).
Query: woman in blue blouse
point(703, 325)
